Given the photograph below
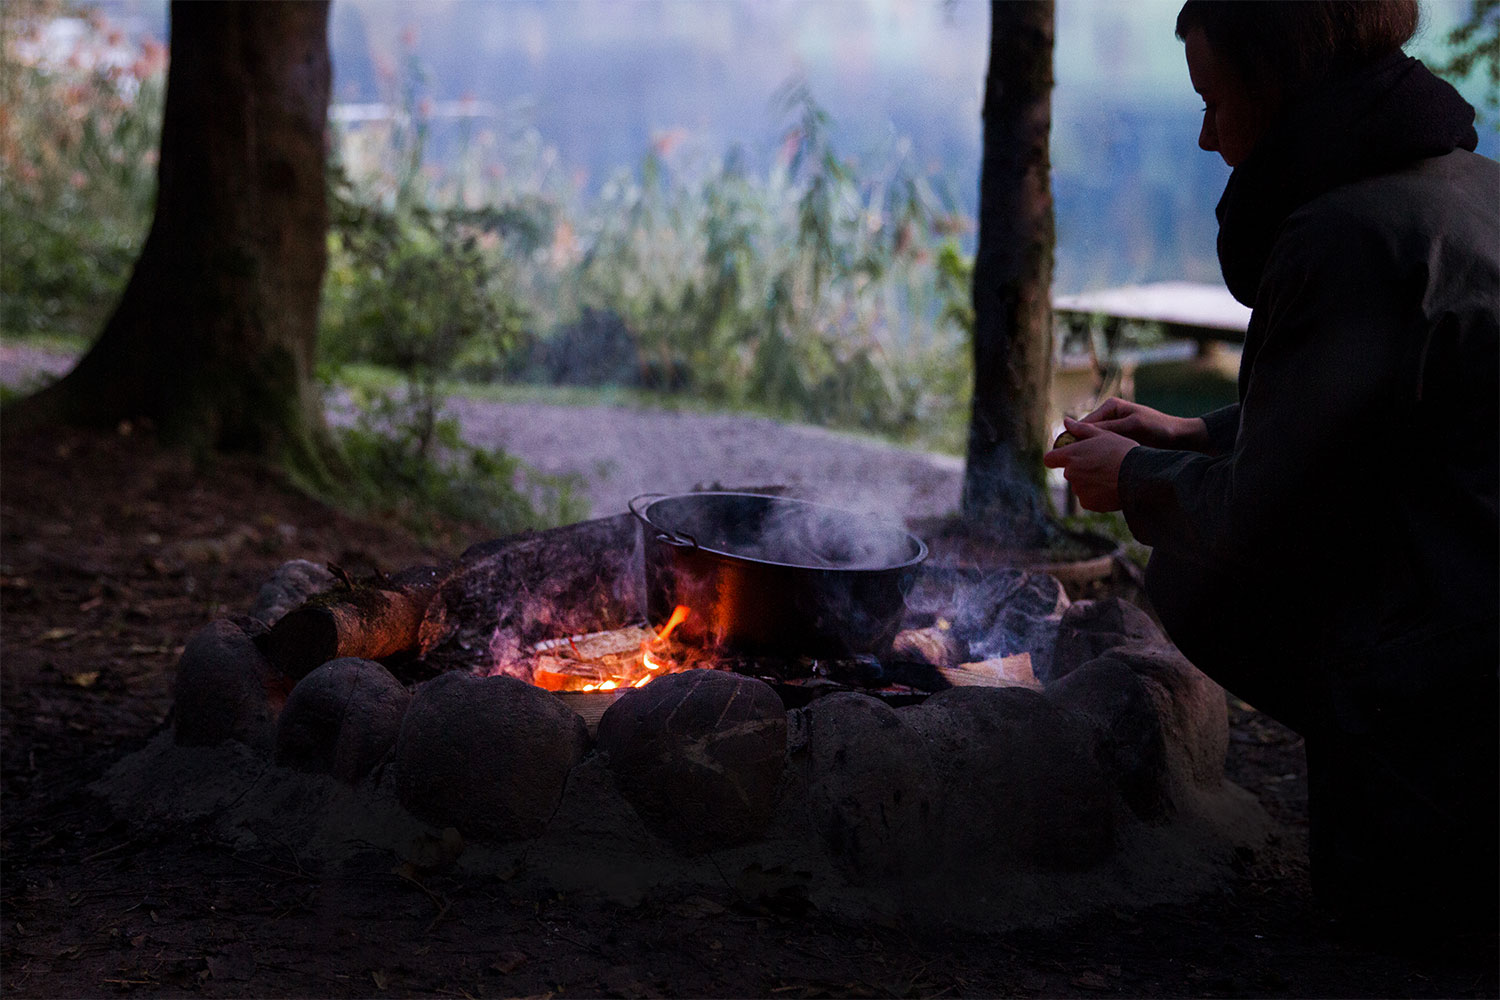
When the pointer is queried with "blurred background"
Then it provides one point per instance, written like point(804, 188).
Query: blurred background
point(762, 206)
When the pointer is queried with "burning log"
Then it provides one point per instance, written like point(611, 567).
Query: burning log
point(597, 661)
point(371, 619)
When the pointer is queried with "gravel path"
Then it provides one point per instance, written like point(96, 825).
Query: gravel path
point(621, 451)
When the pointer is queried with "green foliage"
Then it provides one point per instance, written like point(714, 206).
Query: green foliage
point(420, 290)
point(78, 147)
point(399, 458)
point(813, 293)
point(1476, 43)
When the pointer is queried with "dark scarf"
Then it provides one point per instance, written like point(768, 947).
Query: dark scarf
point(1379, 119)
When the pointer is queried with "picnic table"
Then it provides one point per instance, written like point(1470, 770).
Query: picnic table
point(1184, 310)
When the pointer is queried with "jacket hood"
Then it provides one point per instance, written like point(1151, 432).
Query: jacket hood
point(1388, 115)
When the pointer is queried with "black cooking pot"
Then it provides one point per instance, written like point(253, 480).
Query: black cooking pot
point(763, 574)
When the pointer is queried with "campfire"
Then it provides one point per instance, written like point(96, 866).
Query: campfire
point(922, 661)
point(585, 689)
point(621, 658)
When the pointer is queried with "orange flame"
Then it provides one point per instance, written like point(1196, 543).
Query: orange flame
point(679, 614)
point(626, 674)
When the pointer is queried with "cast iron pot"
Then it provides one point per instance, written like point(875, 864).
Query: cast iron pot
point(764, 574)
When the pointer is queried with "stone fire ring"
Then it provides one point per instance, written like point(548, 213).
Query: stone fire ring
point(992, 806)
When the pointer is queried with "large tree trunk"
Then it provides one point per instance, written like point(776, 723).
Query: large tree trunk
point(1004, 489)
point(214, 337)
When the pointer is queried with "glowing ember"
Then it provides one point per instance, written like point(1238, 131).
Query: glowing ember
point(606, 661)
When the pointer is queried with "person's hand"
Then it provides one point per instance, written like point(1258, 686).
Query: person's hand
point(1149, 427)
point(1091, 465)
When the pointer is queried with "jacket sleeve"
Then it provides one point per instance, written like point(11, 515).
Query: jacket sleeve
point(1223, 427)
point(1323, 356)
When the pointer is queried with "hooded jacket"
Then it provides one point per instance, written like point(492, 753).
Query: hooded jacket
point(1338, 555)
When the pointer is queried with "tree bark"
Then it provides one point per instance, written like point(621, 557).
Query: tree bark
point(1004, 491)
point(214, 337)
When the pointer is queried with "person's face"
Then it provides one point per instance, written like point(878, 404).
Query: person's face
point(1233, 118)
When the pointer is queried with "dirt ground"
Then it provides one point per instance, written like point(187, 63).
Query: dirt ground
point(113, 552)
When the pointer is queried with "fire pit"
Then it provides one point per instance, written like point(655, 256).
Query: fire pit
point(1007, 755)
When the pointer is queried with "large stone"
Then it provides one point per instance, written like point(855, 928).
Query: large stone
point(699, 754)
point(872, 785)
point(1194, 718)
point(225, 690)
point(1089, 628)
point(341, 719)
point(1124, 711)
point(289, 586)
point(488, 755)
point(1019, 780)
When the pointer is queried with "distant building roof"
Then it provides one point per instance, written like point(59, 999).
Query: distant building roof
point(1182, 304)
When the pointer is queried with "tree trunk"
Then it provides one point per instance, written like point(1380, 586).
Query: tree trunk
point(1004, 490)
point(215, 335)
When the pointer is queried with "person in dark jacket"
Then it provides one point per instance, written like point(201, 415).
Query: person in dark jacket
point(1328, 549)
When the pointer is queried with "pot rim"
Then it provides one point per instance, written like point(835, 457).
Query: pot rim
point(685, 541)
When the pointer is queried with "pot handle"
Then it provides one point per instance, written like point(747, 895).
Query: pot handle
point(679, 539)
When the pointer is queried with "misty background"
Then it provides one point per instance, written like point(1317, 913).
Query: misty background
point(590, 87)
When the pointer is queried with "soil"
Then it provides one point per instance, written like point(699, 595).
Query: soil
point(114, 551)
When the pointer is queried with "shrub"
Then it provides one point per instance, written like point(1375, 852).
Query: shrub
point(78, 147)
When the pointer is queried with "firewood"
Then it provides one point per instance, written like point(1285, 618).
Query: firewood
point(935, 646)
point(1002, 671)
point(372, 619)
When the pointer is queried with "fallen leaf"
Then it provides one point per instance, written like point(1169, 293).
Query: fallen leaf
point(85, 679)
point(509, 962)
point(138, 940)
point(697, 907)
point(381, 981)
point(54, 634)
point(1091, 981)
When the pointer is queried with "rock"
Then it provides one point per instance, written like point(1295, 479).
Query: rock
point(289, 586)
point(1008, 612)
point(699, 754)
point(871, 786)
point(489, 756)
point(1089, 628)
point(341, 719)
point(225, 690)
point(1194, 718)
point(1129, 742)
point(1019, 780)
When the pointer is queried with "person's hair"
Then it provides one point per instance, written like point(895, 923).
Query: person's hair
point(1293, 45)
